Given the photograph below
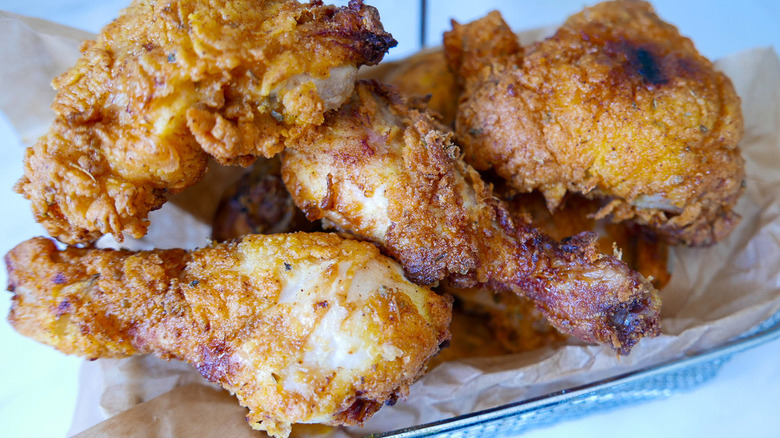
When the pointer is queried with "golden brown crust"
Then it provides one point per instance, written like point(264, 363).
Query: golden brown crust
point(617, 104)
point(513, 320)
point(169, 83)
point(641, 250)
point(276, 320)
point(385, 172)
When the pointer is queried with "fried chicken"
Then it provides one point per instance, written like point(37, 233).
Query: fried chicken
point(171, 82)
point(641, 250)
point(423, 75)
point(302, 328)
point(385, 172)
point(513, 320)
point(258, 203)
point(616, 105)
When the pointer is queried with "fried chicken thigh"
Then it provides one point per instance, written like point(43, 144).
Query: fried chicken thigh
point(385, 172)
point(616, 105)
point(171, 82)
point(302, 328)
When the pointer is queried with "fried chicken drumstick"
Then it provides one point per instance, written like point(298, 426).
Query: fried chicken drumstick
point(385, 172)
point(172, 82)
point(302, 328)
point(617, 105)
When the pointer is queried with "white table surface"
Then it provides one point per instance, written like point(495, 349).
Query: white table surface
point(38, 385)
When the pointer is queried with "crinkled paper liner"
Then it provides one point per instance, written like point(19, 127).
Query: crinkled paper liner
point(715, 294)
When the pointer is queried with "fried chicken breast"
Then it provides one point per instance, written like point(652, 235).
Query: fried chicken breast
point(171, 82)
point(385, 172)
point(616, 105)
point(302, 328)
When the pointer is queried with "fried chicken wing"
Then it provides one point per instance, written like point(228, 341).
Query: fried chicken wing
point(385, 172)
point(302, 328)
point(616, 105)
point(171, 82)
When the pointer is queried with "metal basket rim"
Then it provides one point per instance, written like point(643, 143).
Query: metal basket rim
point(724, 351)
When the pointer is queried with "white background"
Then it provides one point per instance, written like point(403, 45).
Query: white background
point(38, 385)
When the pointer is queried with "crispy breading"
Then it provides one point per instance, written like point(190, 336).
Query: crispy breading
point(514, 321)
point(387, 173)
point(641, 250)
point(171, 82)
point(484, 322)
point(302, 328)
point(616, 105)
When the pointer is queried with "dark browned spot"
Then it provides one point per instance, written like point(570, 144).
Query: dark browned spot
point(631, 321)
point(62, 308)
point(59, 278)
point(579, 244)
point(647, 65)
point(640, 60)
point(359, 411)
point(374, 46)
point(328, 200)
point(392, 400)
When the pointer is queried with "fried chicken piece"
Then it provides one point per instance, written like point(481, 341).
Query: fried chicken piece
point(425, 75)
point(258, 203)
point(513, 320)
point(616, 105)
point(385, 172)
point(641, 250)
point(302, 328)
point(472, 337)
point(171, 82)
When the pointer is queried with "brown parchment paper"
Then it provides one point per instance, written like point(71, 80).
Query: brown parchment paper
point(715, 294)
